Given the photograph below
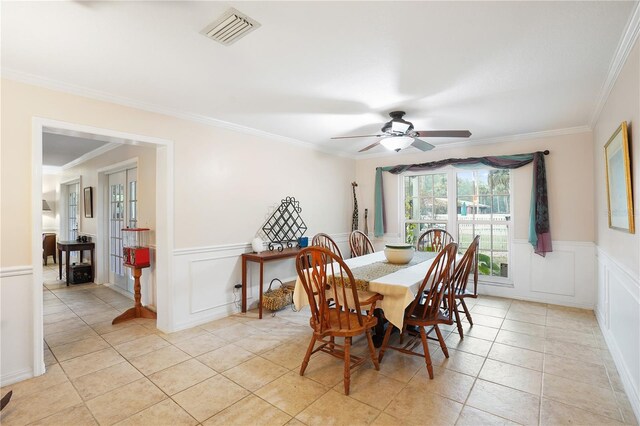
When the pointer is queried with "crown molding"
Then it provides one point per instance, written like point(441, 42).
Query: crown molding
point(91, 154)
point(627, 41)
point(51, 170)
point(499, 139)
point(46, 83)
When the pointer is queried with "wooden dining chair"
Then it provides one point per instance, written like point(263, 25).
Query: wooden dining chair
point(468, 265)
point(360, 244)
point(426, 310)
point(433, 240)
point(324, 240)
point(48, 247)
point(324, 277)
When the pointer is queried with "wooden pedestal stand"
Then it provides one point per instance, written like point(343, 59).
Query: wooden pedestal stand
point(138, 311)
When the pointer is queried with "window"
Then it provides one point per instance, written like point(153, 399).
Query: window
point(425, 204)
point(73, 210)
point(465, 203)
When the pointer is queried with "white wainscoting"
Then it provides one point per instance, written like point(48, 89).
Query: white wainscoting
point(618, 313)
point(204, 280)
point(16, 324)
point(565, 276)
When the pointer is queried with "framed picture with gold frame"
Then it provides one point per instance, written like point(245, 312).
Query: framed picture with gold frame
point(618, 171)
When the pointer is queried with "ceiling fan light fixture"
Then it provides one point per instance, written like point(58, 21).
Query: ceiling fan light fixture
point(396, 143)
point(399, 127)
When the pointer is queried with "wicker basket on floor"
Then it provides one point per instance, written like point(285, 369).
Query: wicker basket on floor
point(278, 298)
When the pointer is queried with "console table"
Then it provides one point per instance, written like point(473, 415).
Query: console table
point(69, 246)
point(262, 258)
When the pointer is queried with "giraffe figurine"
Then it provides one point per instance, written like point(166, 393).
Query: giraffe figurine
point(354, 217)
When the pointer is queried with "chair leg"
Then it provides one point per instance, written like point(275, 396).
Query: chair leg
point(427, 355)
point(347, 364)
point(372, 351)
point(385, 342)
point(402, 331)
point(458, 322)
point(466, 311)
point(445, 351)
point(305, 362)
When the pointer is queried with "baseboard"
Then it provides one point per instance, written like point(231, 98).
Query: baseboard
point(506, 291)
point(623, 372)
point(18, 376)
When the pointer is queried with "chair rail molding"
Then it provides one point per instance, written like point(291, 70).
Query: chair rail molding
point(13, 271)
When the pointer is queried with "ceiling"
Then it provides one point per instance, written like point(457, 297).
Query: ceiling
point(314, 70)
point(59, 150)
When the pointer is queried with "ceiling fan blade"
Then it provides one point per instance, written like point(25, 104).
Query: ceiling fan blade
point(361, 136)
point(366, 148)
point(422, 145)
point(443, 133)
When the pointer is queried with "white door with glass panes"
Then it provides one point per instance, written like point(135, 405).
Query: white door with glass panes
point(73, 210)
point(465, 203)
point(122, 214)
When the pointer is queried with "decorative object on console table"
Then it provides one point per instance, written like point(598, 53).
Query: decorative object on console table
point(88, 202)
point(618, 169)
point(285, 226)
point(257, 245)
point(135, 256)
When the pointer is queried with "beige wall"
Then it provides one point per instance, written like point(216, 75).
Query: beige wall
point(225, 181)
point(618, 275)
point(623, 104)
point(569, 181)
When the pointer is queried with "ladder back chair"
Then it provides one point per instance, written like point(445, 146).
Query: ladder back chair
point(426, 309)
point(324, 240)
point(433, 240)
point(49, 247)
point(325, 277)
point(360, 244)
point(468, 265)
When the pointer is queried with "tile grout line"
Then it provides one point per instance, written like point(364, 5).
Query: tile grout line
point(330, 388)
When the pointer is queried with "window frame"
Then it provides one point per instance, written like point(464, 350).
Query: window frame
point(452, 216)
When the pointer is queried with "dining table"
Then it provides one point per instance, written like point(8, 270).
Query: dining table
point(398, 284)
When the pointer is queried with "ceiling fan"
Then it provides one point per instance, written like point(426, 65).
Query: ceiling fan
point(398, 134)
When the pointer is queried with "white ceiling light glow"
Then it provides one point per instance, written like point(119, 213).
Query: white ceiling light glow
point(396, 143)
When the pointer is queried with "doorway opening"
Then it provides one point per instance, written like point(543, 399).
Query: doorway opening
point(70, 206)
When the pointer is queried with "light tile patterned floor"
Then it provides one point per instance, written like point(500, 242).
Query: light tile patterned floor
point(521, 363)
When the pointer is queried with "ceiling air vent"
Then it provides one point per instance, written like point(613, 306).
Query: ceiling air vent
point(230, 27)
